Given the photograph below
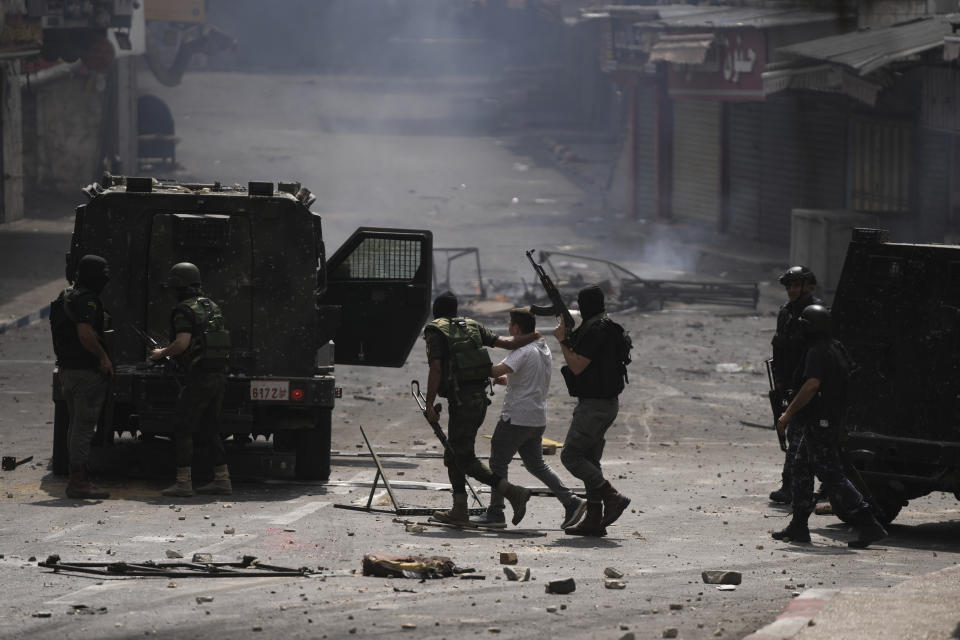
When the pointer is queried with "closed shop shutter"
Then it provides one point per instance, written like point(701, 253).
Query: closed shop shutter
point(744, 169)
point(803, 159)
point(646, 168)
point(933, 184)
point(696, 160)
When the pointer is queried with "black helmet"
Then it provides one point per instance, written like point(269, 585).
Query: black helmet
point(183, 275)
point(816, 321)
point(799, 274)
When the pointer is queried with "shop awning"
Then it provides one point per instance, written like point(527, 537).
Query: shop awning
point(684, 48)
point(695, 17)
point(821, 77)
point(866, 51)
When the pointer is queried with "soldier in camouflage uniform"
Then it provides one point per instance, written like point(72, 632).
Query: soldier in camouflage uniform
point(201, 344)
point(788, 350)
point(817, 413)
point(459, 371)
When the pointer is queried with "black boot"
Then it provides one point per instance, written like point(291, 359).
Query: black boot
point(592, 523)
point(869, 530)
point(614, 504)
point(783, 494)
point(796, 531)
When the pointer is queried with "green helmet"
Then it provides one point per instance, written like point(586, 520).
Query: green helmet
point(182, 275)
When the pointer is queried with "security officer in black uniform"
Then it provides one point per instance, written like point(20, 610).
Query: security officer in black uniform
point(595, 373)
point(201, 344)
point(77, 323)
point(817, 413)
point(788, 350)
point(459, 371)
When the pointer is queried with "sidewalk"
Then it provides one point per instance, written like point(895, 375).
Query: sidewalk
point(32, 267)
point(919, 608)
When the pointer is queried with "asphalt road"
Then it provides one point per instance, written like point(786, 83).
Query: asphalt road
point(685, 447)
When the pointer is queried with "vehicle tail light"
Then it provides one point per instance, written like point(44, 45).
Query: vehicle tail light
point(297, 395)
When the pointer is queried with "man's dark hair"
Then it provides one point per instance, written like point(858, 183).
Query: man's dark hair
point(445, 305)
point(524, 319)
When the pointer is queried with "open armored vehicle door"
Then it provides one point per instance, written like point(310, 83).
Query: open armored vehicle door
point(381, 280)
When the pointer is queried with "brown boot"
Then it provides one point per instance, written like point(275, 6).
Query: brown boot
point(79, 487)
point(183, 488)
point(614, 504)
point(592, 523)
point(221, 482)
point(458, 515)
point(517, 497)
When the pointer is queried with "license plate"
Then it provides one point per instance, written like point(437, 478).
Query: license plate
point(277, 390)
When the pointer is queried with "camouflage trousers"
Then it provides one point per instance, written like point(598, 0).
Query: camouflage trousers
point(464, 420)
point(818, 454)
point(794, 436)
point(198, 417)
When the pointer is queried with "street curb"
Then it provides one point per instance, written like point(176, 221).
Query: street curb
point(26, 320)
point(796, 616)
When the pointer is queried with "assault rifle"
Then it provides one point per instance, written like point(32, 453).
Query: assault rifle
point(153, 344)
point(778, 402)
point(558, 308)
point(438, 431)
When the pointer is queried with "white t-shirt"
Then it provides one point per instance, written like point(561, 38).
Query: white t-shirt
point(525, 401)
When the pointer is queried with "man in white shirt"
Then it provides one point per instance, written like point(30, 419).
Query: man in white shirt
point(526, 373)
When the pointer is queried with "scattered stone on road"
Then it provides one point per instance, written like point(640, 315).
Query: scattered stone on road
point(508, 557)
point(610, 572)
point(171, 553)
point(614, 584)
point(203, 557)
point(561, 586)
point(721, 577)
point(670, 633)
point(202, 599)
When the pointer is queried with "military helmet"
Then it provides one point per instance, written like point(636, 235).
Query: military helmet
point(798, 273)
point(815, 320)
point(182, 275)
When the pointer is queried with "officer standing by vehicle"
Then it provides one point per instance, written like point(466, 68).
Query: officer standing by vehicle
point(201, 345)
point(596, 356)
point(817, 413)
point(459, 371)
point(788, 349)
point(77, 324)
point(526, 372)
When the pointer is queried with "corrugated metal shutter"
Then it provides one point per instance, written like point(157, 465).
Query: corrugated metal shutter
point(882, 161)
point(933, 184)
point(696, 160)
point(803, 159)
point(646, 151)
point(744, 169)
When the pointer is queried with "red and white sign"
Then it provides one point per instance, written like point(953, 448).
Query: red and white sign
point(733, 71)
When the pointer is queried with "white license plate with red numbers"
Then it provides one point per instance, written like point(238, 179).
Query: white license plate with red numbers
point(276, 390)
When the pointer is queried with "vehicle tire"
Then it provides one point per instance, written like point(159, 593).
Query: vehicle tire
point(61, 430)
point(313, 449)
point(887, 508)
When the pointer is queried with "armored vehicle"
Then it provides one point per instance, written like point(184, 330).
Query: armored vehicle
point(292, 313)
point(897, 309)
